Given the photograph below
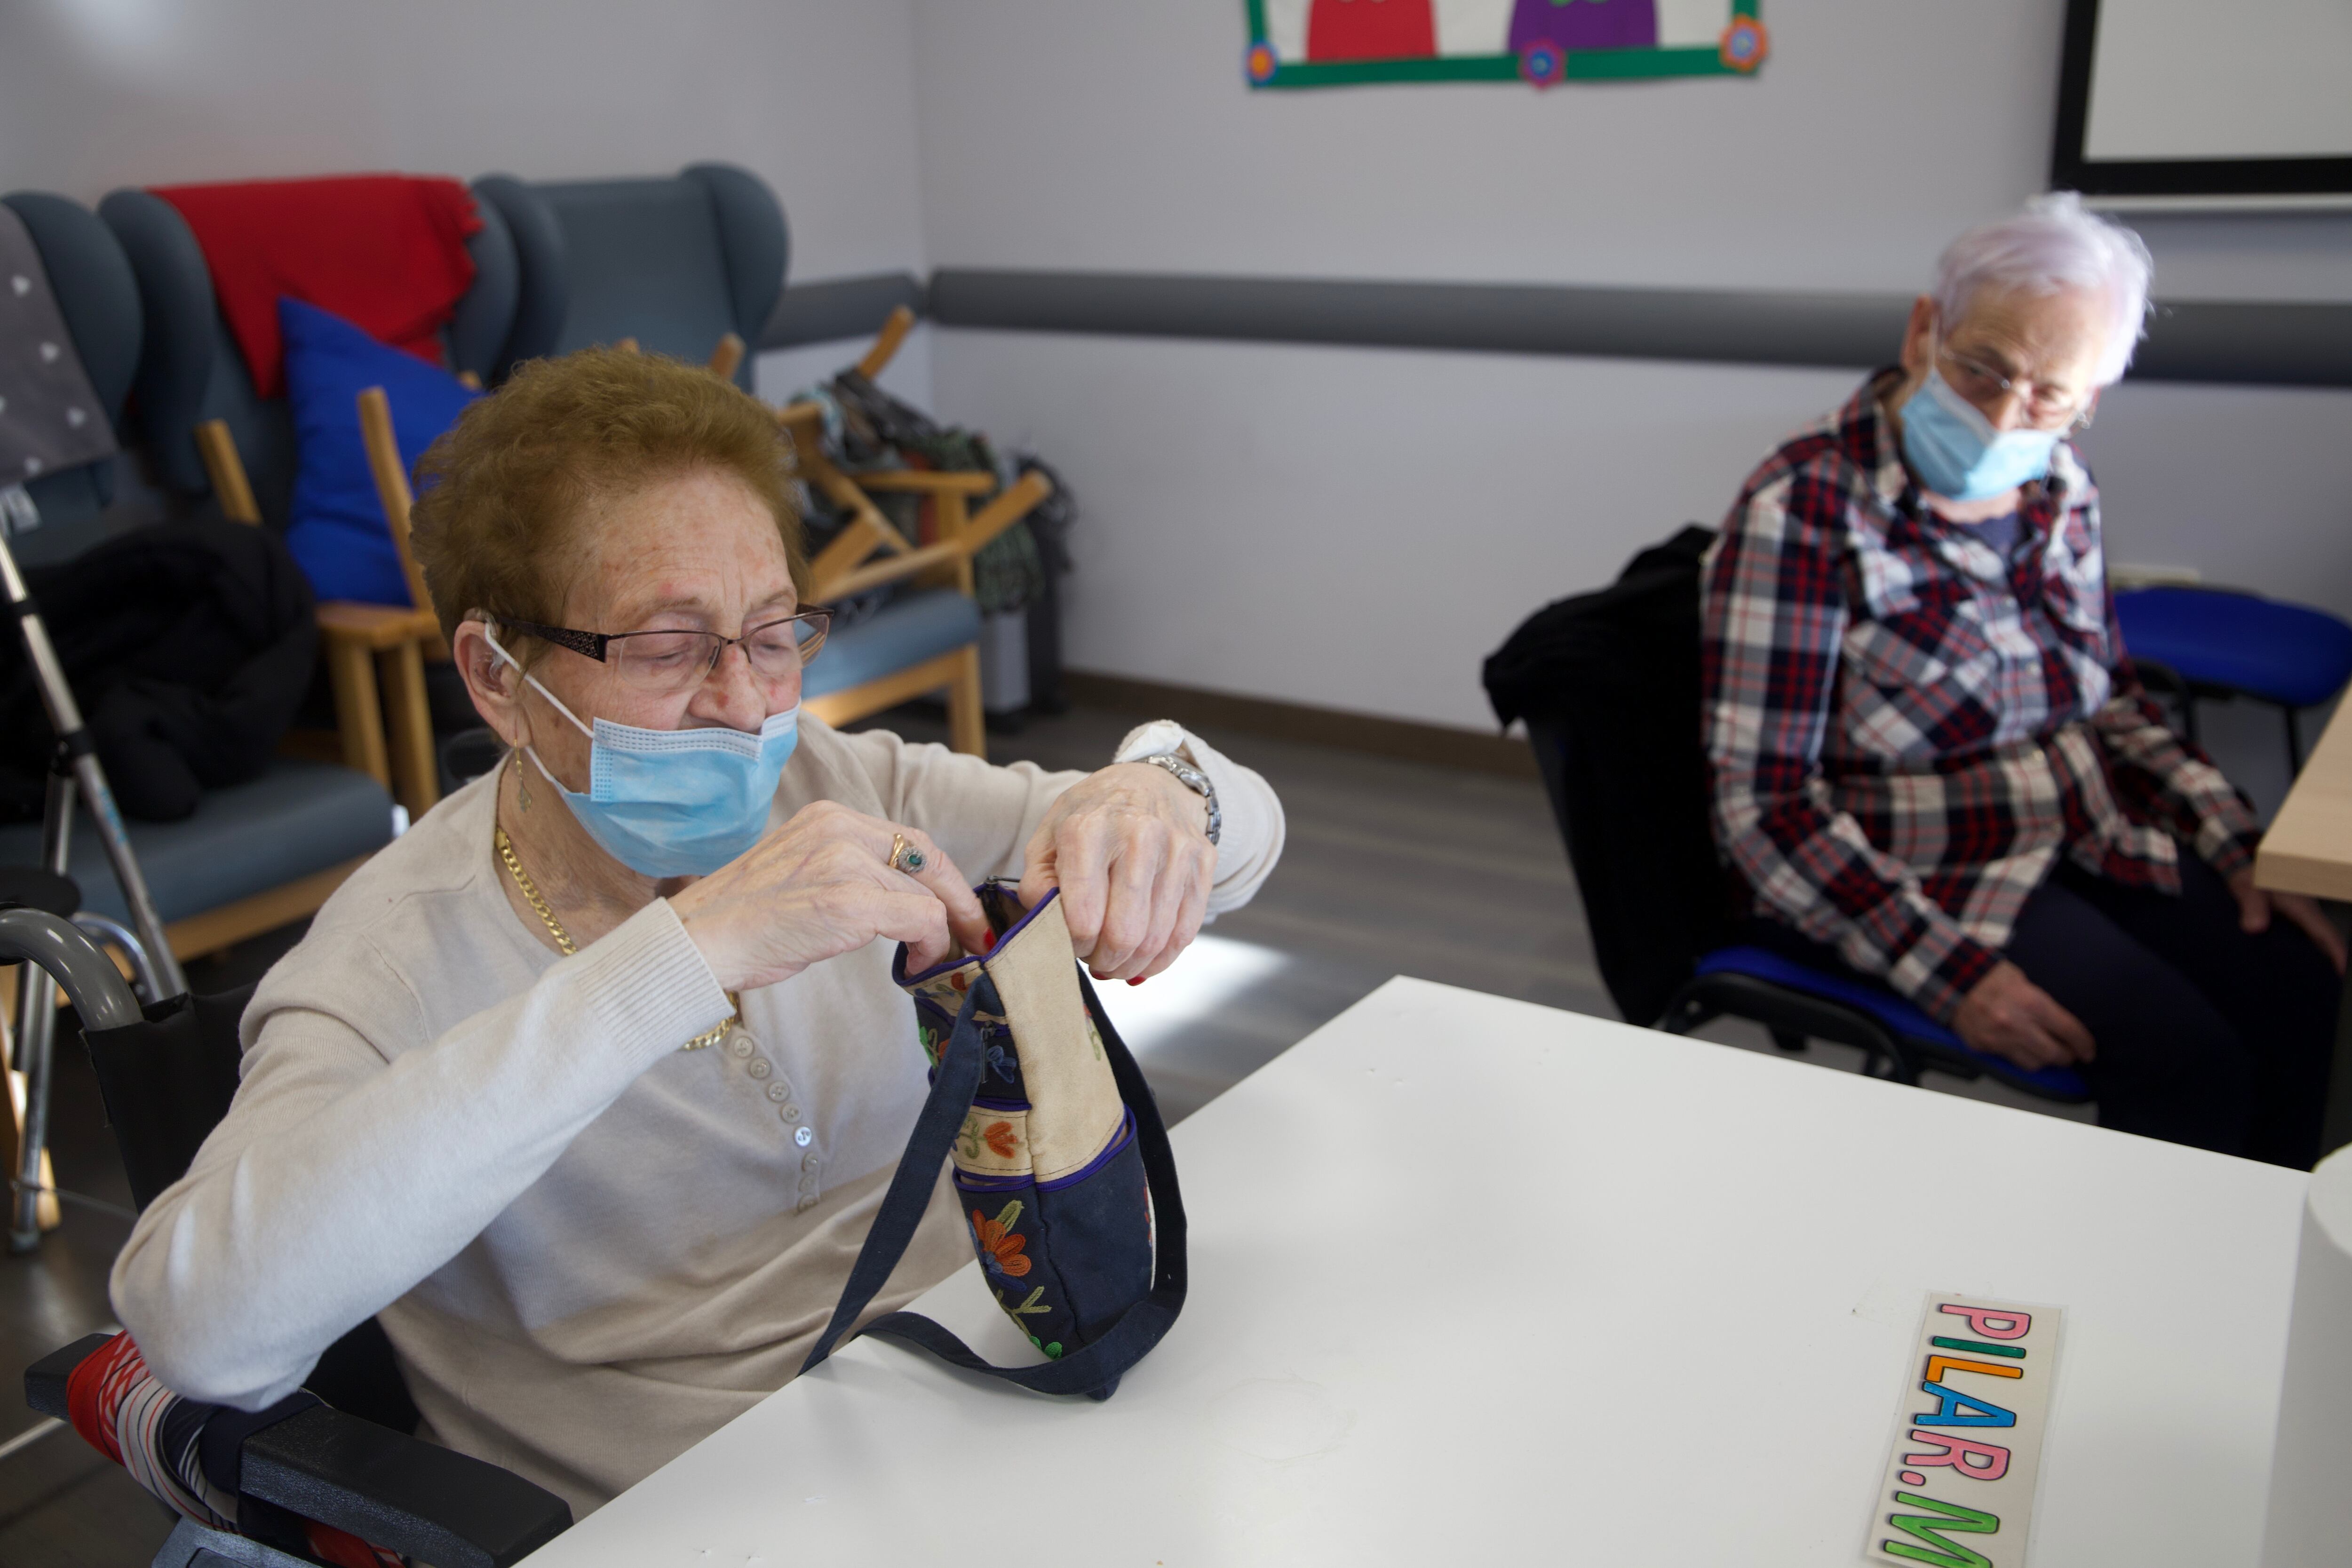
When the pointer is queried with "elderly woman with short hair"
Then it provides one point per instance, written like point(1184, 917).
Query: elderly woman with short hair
point(1932, 762)
point(589, 1086)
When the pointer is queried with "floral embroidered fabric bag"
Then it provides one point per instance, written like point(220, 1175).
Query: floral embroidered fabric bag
point(1062, 1166)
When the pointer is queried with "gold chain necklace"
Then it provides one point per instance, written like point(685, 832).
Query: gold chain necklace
point(564, 945)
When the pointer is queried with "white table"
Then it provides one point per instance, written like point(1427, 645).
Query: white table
point(1474, 1281)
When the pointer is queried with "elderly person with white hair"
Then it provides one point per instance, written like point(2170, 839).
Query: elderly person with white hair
point(1932, 764)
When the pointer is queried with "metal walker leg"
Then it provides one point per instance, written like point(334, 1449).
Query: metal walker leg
point(75, 774)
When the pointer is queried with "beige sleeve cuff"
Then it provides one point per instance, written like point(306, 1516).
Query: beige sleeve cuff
point(647, 986)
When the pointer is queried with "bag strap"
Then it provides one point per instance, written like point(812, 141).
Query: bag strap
point(1094, 1369)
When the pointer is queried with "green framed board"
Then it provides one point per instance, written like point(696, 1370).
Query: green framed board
point(1350, 42)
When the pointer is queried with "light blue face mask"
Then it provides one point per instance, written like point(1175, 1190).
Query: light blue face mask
point(673, 803)
point(1957, 454)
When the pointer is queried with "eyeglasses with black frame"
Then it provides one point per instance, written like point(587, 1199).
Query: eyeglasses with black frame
point(669, 662)
point(1980, 382)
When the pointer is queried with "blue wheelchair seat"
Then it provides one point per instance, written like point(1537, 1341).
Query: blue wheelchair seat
point(2287, 653)
point(1936, 1044)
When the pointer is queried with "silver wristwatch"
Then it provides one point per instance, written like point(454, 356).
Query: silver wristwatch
point(1193, 779)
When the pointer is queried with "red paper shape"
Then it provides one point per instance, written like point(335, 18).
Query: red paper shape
point(1371, 30)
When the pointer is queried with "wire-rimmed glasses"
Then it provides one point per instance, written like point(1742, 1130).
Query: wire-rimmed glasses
point(2044, 408)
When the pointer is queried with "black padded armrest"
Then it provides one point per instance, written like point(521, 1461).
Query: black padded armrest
point(45, 1380)
point(427, 1502)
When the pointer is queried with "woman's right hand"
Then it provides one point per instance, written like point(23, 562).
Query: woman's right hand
point(2009, 1016)
point(823, 885)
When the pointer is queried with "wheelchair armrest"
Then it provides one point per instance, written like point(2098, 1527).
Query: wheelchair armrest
point(45, 1380)
point(422, 1501)
point(427, 1502)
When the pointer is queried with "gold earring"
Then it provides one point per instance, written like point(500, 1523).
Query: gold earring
point(522, 784)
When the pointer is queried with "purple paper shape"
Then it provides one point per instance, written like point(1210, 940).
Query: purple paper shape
point(1585, 23)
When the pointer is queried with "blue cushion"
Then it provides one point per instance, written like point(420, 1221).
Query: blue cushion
point(337, 533)
point(2280, 652)
point(1896, 1015)
point(297, 818)
point(905, 633)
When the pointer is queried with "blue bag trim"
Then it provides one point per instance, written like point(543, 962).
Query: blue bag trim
point(972, 1182)
point(966, 1182)
point(900, 976)
point(1111, 1152)
point(1093, 1370)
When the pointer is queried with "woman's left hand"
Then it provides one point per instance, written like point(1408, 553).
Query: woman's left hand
point(1129, 847)
point(2254, 907)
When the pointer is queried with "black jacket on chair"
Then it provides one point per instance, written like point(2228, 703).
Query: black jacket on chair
point(1609, 685)
point(188, 644)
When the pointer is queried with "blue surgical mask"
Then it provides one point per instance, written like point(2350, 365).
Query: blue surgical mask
point(673, 803)
point(1956, 452)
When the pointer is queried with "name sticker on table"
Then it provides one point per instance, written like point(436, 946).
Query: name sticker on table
point(1967, 1457)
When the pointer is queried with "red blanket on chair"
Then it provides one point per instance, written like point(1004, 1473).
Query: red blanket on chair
point(384, 251)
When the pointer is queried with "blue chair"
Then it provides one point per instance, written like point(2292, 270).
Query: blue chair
point(2218, 644)
point(254, 856)
point(1798, 1003)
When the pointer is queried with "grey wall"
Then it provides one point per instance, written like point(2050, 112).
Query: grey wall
point(1252, 509)
point(816, 96)
point(1352, 527)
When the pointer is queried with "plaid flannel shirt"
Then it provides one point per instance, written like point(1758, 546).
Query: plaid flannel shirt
point(1905, 730)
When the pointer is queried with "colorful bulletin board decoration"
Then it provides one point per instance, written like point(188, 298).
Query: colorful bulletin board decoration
point(1348, 43)
point(1967, 1457)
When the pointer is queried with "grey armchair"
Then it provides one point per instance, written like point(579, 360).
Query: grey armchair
point(677, 265)
point(211, 435)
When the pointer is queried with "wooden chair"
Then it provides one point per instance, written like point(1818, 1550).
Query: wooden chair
point(374, 653)
point(871, 552)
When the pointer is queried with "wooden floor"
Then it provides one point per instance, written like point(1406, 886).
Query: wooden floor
point(1390, 868)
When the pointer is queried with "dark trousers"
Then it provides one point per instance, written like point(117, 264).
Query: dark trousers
point(2205, 1035)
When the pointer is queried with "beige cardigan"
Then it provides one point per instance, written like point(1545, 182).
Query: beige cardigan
point(590, 1249)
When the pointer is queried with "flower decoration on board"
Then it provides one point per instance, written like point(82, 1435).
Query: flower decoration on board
point(1260, 64)
point(1745, 44)
point(1001, 1251)
point(1543, 64)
